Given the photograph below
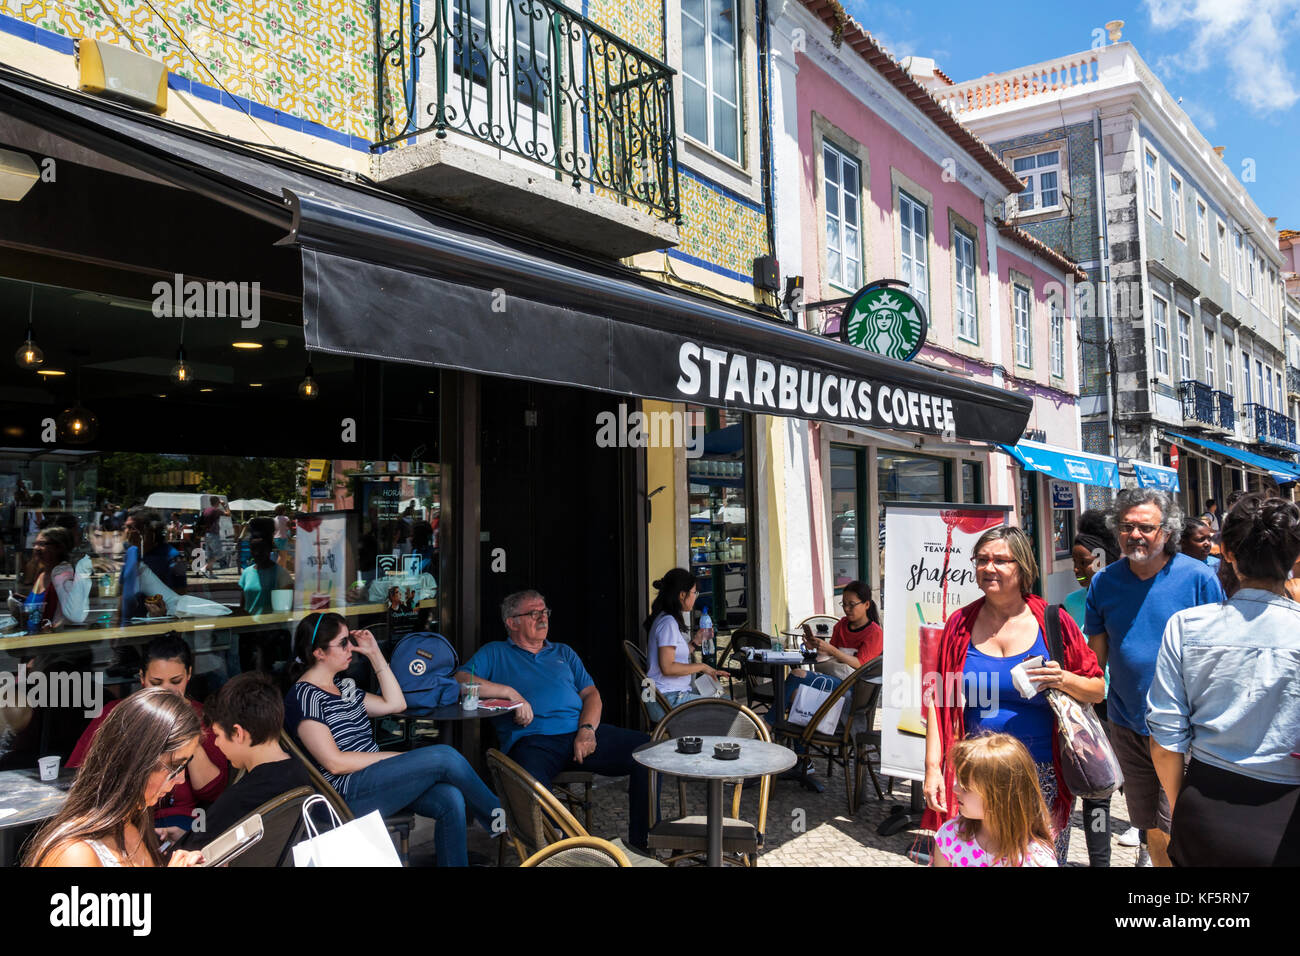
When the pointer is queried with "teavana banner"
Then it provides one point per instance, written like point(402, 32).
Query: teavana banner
point(928, 576)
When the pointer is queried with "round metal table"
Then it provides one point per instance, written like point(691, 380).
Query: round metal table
point(757, 759)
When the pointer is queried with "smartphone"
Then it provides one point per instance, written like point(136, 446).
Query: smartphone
point(233, 842)
point(808, 636)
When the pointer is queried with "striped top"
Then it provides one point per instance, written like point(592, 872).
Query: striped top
point(344, 714)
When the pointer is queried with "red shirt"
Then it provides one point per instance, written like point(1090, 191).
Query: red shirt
point(183, 799)
point(868, 643)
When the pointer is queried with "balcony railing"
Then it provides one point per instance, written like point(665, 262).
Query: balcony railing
point(1267, 427)
point(532, 78)
point(1199, 404)
point(1227, 414)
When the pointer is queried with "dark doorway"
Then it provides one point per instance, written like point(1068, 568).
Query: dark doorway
point(561, 511)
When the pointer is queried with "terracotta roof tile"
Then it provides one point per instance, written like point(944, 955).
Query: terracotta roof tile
point(832, 14)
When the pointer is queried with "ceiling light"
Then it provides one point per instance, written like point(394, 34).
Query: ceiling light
point(78, 425)
point(50, 371)
point(205, 390)
point(254, 384)
point(181, 373)
point(308, 390)
point(247, 345)
point(29, 354)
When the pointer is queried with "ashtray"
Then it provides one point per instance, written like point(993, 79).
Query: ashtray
point(689, 745)
point(726, 751)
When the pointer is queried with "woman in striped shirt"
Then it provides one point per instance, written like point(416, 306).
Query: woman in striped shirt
point(330, 716)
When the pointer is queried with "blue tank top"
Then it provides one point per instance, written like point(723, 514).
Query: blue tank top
point(1029, 721)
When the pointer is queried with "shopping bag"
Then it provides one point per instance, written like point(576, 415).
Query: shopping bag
point(360, 842)
point(808, 698)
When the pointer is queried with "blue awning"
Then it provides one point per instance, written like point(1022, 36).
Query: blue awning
point(1155, 476)
point(1279, 469)
point(1066, 464)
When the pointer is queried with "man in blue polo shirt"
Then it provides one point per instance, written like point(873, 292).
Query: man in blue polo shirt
point(1128, 605)
point(557, 726)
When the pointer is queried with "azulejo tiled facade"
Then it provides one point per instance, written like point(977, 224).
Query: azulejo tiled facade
point(315, 60)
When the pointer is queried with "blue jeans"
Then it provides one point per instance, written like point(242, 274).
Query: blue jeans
point(435, 782)
point(674, 699)
point(545, 755)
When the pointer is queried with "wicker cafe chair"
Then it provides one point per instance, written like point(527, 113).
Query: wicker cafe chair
point(816, 619)
point(282, 827)
point(687, 836)
point(642, 684)
point(579, 851)
point(399, 823)
point(848, 744)
point(573, 787)
point(534, 817)
point(758, 690)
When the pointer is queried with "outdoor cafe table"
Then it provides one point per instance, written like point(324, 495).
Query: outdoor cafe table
point(776, 670)
point(757, 759)
point(32, 801)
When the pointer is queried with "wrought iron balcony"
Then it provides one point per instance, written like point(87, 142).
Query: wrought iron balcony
point(1227, 414)
point(1293, 380)
point(534, 79)
point(1198, 403)
point(1268, 427)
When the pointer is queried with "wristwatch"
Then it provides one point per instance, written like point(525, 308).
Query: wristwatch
point(587, 727)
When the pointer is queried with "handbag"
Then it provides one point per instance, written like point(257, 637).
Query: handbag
point(1088, 762)
point(360, 842)
point(808, 698)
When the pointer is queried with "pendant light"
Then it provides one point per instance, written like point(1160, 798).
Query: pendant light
point(308, 390)
point(29, 354)
point(181, 373)
point(77, 425)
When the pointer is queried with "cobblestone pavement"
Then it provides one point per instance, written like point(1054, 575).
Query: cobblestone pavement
point(803, 828)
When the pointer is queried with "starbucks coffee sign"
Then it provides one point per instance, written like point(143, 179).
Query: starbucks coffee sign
point(886, 321)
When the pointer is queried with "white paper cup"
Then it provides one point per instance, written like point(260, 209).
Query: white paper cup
point(282, 599)
point(49, 767)
point(470, 700)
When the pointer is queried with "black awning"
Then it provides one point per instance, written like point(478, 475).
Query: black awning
point(386, 279)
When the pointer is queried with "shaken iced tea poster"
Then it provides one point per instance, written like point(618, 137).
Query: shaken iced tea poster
point(928, 578)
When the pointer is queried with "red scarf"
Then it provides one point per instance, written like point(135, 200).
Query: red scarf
point(1079, 659)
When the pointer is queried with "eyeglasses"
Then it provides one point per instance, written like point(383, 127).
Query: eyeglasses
point(177, 771)
point(537, 616)
point(1146, 530)
point(849, 607)
point(349, 639)
point(980, 560)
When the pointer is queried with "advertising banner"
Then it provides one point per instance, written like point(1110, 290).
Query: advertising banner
point(928, 577)
point(320, 560)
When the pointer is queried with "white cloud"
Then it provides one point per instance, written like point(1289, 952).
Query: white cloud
point(1249, 37)
point(1201, 114)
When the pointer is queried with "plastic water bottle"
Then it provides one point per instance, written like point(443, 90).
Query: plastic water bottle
point(707, 647)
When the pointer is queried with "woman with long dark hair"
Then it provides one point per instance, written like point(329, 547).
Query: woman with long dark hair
point(857, 636)
point(668, 651)
point(147, 744)
point(330, 716)
point(1224, 692)
point(169, 663)
point(60, 593)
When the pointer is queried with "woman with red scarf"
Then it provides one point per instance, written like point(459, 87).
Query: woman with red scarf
point(982, 643)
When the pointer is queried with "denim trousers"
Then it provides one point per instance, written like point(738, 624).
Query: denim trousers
point(545, 755)
point(435, 782)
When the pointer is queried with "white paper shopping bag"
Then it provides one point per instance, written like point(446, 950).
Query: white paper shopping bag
point(360, 842)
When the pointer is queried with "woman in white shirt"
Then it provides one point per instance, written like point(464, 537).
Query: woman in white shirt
point(669, 648)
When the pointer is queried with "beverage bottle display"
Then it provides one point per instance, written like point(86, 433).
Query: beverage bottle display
point(707, 647)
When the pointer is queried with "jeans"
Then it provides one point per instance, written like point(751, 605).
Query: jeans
point(545, 755)
point(674, 699)
point(1096, 831)
point(435, 782)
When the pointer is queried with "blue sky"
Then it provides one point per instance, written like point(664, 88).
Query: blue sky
point(1235, 63)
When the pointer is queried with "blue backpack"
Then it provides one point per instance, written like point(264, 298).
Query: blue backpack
point(425, 664)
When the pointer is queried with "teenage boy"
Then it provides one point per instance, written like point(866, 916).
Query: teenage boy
point(246, 716)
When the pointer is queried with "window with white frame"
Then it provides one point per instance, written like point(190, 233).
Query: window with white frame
point(1041, 174)
point(711, 74)
point(1203, 229)
point(963, 254)
point(1229, 377)
point(843, 174)
point(1020, 299)
point(1058, 341)
point(1176, 205)
point(1240, 258)
point(1160, 333)
point(1245, 376)
point(1185, 370)
point(1210, 357)
point(1281, 395)
point(1224, 269)
point(1153, 182)
point(1252, 267)
point(914, 259)
point(1261, 380)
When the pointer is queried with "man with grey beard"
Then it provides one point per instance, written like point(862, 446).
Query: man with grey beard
point(1128, 605)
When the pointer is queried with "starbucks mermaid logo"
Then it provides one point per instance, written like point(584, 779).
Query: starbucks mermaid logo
point(887, 321)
